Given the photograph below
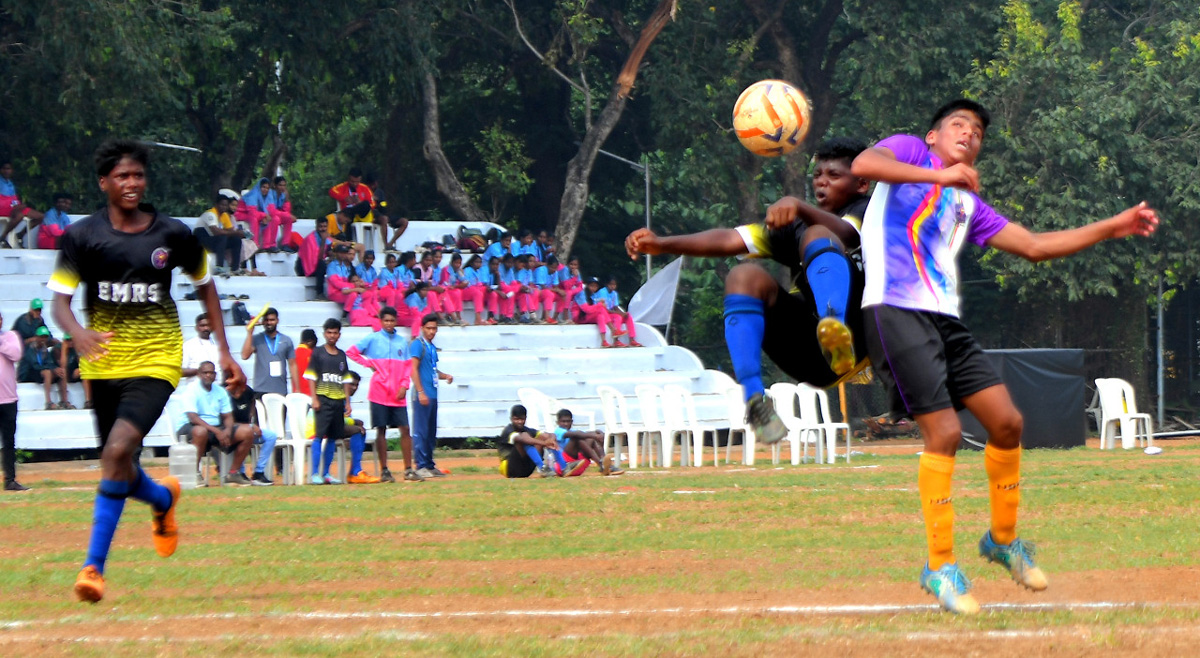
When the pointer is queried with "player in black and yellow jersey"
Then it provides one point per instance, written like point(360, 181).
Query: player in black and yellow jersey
point(331, 383)
point(132, 348)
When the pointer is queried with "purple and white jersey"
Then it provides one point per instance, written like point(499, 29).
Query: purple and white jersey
point(912, 233)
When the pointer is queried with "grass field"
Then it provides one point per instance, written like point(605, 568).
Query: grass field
point(743, 561)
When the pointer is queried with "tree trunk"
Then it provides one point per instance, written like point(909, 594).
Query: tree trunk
point(579, 169)
point(448, 184)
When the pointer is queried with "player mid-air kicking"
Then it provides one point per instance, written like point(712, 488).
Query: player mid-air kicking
point(813, 331)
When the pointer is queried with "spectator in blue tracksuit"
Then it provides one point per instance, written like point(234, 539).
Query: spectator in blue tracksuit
point(425, 376)
point(498, 248)
point(366, 270)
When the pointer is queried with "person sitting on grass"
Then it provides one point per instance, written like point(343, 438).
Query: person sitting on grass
point(579, 445)
point(526, 458)
point(622, 322)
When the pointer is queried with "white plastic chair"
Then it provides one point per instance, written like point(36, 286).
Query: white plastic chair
point(675, 430)
point(618, 430)
point(736, 408)
point(814, 411)
point(676, 394)
point(799, 433)
point(297, 442)
point(1119, 411)
point(537, 405)
point(649, 401)
point(274, 405)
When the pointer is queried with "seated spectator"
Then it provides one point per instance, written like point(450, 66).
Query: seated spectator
point(252, 209)
point(498, 248)
point(308, 340)
point(12, 208)
point(398, 224)
point(571, 282)
point(341, 227)
point(365, 310)
point(54, 223)
point(622, 322)
point(590, 308)
point(550, 297)
point(67, 358)
point(197, 350)
point(353, 194)
point(511, 289)
point(38, 366)
point(429, 273)
point(524, 245)
point(498, 296)
point(366, 270)
point(338, 287)
point(525, 458)
point(389, 278)
point(545, 245)
point(210, 424)
point(453, 281)
point(279, 208)
point(27, 324)
point(418, 305)
point(578, 445)
point(245, 412)
point(314, 255)
point(220, 237)
point(528, 296)
point(477, 290)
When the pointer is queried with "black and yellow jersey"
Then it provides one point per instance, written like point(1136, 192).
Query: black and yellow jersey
point(127, 283)
point(328, 372)
point(785, 245)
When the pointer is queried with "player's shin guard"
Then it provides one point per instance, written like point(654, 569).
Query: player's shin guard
point(933, 482)
point(1004, 488)
point(110, 502)
point(828, 273)
point(744, 329)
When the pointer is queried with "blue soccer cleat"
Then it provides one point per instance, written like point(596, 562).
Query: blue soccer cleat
point(1017, 557)
point(951, 587)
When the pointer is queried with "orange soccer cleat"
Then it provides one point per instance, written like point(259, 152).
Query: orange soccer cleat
point(89, 586)
point(166, 532)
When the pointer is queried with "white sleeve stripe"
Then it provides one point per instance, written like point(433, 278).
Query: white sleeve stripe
point(60, 288)
point(748, 240)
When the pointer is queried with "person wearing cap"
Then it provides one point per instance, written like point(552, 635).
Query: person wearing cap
point(10, 356)
point(67, 370)
point(27, 324)
point(37, 366)
point(218, 234)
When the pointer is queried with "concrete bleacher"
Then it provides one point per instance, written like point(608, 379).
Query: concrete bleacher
point(489, 363)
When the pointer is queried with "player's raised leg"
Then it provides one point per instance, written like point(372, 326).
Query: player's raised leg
point(749, 289)
point(827, 269)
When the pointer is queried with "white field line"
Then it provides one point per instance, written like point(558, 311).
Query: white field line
point(809, 610)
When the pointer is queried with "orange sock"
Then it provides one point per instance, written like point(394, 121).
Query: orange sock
point(933, 483)
point(1004, 488)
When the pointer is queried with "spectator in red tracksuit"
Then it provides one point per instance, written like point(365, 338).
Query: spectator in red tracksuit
point(279, 208)
point(252, 209)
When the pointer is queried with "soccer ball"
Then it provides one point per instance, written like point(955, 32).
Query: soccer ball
point(771, 118)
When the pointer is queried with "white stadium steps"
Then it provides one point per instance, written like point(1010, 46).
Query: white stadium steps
point(489, 363)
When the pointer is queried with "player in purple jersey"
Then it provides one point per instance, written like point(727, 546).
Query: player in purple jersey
point(922, 211)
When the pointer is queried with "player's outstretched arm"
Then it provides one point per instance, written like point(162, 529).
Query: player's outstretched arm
point(714, 242)
point(880, 164)
point(207, 294)
point(1015, 239)
point(789, 209)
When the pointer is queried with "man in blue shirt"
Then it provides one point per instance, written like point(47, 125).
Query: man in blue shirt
point(210, 423)
point(425, 376)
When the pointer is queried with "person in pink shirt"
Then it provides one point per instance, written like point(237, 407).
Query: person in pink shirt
point(385, 352)
point(571, 282)
point(337, 279)
point(10, 354)
point(365, 310)
point(429, 273)
point(477, 292)
point(252, 209)
point(590, 308)
point(453, 281)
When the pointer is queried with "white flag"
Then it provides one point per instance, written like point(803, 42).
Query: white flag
point(652, 303)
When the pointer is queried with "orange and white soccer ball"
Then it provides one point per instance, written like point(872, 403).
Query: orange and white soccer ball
point(771, 118)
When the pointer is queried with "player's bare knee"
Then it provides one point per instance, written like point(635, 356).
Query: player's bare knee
point(1006, 434)
point(750, 280)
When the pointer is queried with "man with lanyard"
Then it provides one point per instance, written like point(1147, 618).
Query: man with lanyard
point(271, 350)
point(425, 378)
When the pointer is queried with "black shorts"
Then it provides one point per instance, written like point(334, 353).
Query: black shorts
point(384, 416)
point(330, 419)
point(213, 441)
point(790, 336)
point(138, 400)
point(926, 361)
point(519, 464)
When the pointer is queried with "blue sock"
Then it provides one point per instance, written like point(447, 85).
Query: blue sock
point(828, 275)
point(327, 457)
point(110, 502)
point(744, 329)
point(149, 491)
point(316, 456)
point(558, 457)
point(535, 455)
point(358, 443)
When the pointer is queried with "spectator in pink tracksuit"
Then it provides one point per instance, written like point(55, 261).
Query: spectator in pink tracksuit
point(429, 273)
point(252, 209)
point(552, 298)
point(365, 310)
point(502, 293)
point(622, 322)
point(454, 281)
point(388, 278)
point(385, 352)
point(279, 209)
point(478, 291)
point(590, 309)
point(418, 305)
point(337, 279)
point(571, 282)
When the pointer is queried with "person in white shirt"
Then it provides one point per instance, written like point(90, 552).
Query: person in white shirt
point(197, 350)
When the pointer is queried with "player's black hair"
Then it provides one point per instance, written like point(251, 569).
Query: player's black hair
point(279, 179)
point(369, 252)
point(518, 411)
point(388, 258)
point(610, 279)
point(308, 336)
point(387, 310)
point(63, 195)
point(429, 317)
point(332, 323)
point(355, 172)
point(271, 311)
point(473, 258)
point(111, 152)
point(563, 413)
point(946, 110)
point(202, 316)
point(840, 148)
point(407, 256)
point(456, 256)
point(322, 219)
